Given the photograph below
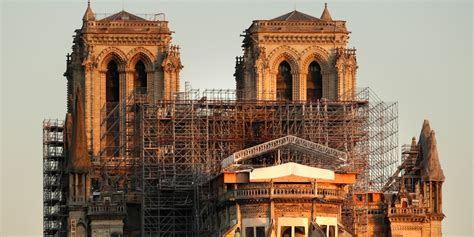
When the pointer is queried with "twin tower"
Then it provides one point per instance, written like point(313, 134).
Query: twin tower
point(293, 57)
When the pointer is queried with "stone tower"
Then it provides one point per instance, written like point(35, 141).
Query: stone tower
point(296, 57)
point(116, 56)
point(416, 209)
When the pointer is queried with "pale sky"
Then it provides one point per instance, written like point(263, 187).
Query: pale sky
point(418, 53)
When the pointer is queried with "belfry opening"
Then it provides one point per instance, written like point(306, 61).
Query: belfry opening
point(112, 94)
point(112, 82)
point(314, 83)
point(140, 78)
point(284, 81)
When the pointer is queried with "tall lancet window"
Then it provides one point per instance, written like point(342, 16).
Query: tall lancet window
point(140, 79)
point(314, 83)
point(112, 82)
point(112, 97)
point(284, 81)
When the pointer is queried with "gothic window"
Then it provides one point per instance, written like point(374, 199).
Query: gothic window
point(314, 83)
point(112, 98)
point(140, 78)
point(284, 81)
point(112, 82)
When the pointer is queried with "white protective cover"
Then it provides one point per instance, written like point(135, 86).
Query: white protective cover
point(289, 172)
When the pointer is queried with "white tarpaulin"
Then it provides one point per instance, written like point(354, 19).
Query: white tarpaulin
point(288, 170)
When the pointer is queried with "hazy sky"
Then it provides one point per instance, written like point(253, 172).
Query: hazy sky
point(416, 53)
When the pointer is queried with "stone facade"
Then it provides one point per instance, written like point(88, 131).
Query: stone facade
point(290, 59)
point(125, 40)
point(299, 40)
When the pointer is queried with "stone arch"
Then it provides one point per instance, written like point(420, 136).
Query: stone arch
point(318, 54)
point(109, 54)
point(81, 229)
point(284, 53)
point(140, 53)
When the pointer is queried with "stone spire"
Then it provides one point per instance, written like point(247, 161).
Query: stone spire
point(78, 161)
point(326, 16)
point(429, 158)
point(89, 14)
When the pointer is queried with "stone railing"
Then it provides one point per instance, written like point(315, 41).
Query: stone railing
point(407, 211)
point(286, 191)
point(106, 209)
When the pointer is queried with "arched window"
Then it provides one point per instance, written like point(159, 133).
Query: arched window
point(284, 81)
point(112, 82)
point(314, 83)
point(140, 79)
point(112, 97)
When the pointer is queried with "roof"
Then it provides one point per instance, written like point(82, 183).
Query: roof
point(289, 172)
point(429, 158)
point(89, 14)
point(295, 16)
point(79, 161)
point(123, 16)
point(326, 16)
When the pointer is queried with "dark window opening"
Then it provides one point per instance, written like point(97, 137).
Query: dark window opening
point(286, 231)
point(371, 197)
point(314, 83)
point(112, 97)
point(260, 231)
point(140, 78)
point(249, 232)
point(300, 231)
point(284, 81)
point(112, 82)
point(324, 228)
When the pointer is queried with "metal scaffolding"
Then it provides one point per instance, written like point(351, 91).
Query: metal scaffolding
point(54, 179)
point(166, 150)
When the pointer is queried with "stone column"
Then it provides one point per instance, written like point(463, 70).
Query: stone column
point(150, 85)
point(102, 104)
point(172, 82)
point(159, 84)
point(295, 84)
point(326, 81)
point(129, 83)
point(87, 92)
point(96, 109)
point(76, 187)
point(272, 93)
point(303, 86)
point(122, 96)
point(71, 187)
point(166, 85)
point(354, 80)
point(259, 85)
point(340, 84)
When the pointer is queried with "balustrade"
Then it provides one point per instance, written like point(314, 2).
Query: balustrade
point(407, 211)
point(97, 209)
point(282, 191)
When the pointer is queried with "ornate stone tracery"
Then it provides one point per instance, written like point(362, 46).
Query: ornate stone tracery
point(106, 55)
point(140, 53)
point(257, 71)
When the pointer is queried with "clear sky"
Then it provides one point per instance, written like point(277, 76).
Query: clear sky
point(418, 53)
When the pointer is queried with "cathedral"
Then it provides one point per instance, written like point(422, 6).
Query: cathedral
point(295, 150)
